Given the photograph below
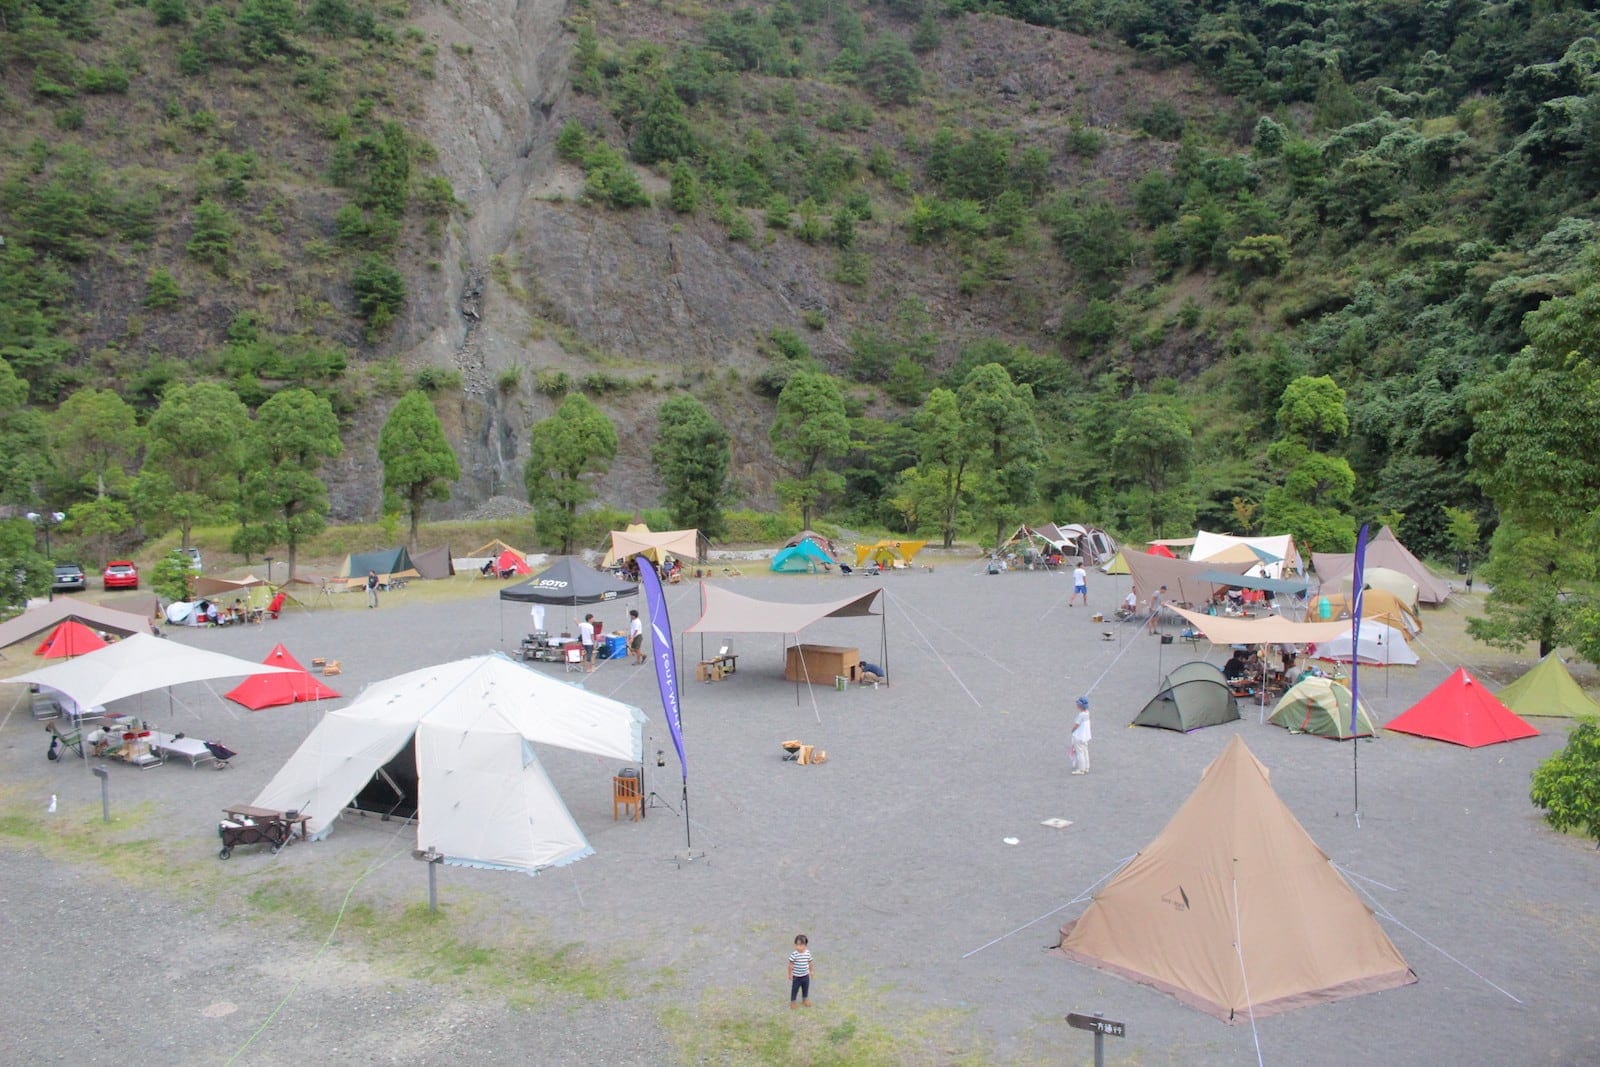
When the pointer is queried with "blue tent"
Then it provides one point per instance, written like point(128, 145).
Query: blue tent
point(801, 558)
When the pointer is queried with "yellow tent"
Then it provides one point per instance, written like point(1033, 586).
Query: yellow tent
point(1377, 604)
point(884, 553)
point(1118, 565)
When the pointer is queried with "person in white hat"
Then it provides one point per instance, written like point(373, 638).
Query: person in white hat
point(1080, 738)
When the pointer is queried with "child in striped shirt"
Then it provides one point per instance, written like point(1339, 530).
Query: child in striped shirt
point(800, 972)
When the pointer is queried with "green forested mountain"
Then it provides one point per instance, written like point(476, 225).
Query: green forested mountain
point(1146, 264)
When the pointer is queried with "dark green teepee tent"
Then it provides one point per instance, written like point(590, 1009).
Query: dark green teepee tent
point(1193, 695)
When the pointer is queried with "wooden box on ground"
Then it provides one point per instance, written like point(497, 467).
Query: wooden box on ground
point(822, 663)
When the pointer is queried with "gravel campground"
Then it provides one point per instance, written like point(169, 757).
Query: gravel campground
point(130, 941)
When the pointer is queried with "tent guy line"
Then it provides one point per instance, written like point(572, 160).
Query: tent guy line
point(1384, 913)
point(1080, 898)
point(900, 601)
point(1238, 950)
point(935, 653)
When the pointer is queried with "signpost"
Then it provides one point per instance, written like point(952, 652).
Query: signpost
point(1102, 1028)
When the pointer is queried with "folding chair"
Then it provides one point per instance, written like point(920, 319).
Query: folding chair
point(627, 795)
point(70, 739)
point(572, 657)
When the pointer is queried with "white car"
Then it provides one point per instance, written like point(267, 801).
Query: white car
point(194, 558)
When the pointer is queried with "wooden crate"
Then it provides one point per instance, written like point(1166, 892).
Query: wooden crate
point(822, 663)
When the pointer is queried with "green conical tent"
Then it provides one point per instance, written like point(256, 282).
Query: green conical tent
point(1320, 706)
point(1548, 689)
point(1190, 702)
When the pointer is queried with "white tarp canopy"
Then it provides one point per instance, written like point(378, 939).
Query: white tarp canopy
point(1381, 645)
point(1208, 545)
point(136, 665)
point(484, 799)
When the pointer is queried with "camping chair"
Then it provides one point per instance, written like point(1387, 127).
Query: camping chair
point(627, 794)
point(275, 605)
point(572, 657)
point(70, 739)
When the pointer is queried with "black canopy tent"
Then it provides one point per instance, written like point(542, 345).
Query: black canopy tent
point(566, 581)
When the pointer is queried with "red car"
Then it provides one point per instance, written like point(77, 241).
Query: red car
point(121, 574)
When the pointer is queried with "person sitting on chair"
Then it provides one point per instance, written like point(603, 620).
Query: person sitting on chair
point(1130, 604)
point(1237, 666)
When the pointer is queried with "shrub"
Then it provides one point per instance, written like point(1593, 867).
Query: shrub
point(161, 290)
point(438, 379)
point(380, 291)
point(1567, 785)
point(211, 241)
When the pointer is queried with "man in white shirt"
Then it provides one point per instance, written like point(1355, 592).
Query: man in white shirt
point(1080, 586)
point(586, 637)
point(635, 636)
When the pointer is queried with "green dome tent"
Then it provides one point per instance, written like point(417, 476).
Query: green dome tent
point(1320, 706)
point(1193, 695)
point(1548, 689)
point(803, 558)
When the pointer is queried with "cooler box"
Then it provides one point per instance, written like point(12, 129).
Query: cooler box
point(616, 646)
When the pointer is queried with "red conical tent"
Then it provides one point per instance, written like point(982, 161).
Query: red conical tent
point(1460, 710)
point(269, 690)
point(1160, 550)
point(71, 638)
point(512, 562)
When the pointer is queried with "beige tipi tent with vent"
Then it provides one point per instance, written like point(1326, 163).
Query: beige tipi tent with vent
point(1235, 866)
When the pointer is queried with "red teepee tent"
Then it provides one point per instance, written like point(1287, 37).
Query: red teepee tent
point(71, 638)
point(510, 562)
point(1160, 550)
point(1460, 710)
point(269, 690)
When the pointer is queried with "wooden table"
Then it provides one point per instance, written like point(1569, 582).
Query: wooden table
point(716, 668)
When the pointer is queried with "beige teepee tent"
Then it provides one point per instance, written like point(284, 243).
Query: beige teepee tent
point(1234, 867)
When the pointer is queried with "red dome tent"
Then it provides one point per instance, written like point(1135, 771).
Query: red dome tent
point(1460, 710)
point(269, 690)
point(71, 638)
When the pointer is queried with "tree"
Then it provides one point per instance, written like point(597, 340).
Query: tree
point(24, 572)
point(196, 452)
point(294, 433)
point(170, 575)
point(692, 456)
point(890, 72)
point(663, 133)
point(95, 439)
point(211, 240)
point(944, 454)
point(418, 463)
point(380, 292)
point(1153, 449)
point(1313, 410)
point(1535, 580)
point(810, 427)
point(1567, 785)
point(1002, 438)
point(565, 451)
point(24, 441)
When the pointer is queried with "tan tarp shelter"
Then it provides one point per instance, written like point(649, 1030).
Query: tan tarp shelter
point(684, 544)
point(727, 612)
point(1182, 577)
point(1548, 689)
point(49, 615)
point(1270, 630)
point(215, 588)
point(134, 665)
point(1384, 550)
point(492, 550)
point(1234, 910)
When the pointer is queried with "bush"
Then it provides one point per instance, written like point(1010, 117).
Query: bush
point(380, 291)
point(1567, 785)
point(161, 290)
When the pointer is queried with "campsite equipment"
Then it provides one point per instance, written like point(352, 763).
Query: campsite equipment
point(1460, 710)
point(639, 540)
point(252, 830)
point(136, 664)
point(1548, 689)
point(1320, 706)
point(70, 638)
point(220, 752)
point(1269, 556)
point(270, 690)
point(1382, 645)
point(1386, 551)
point(802, 558)
point(1192, 695)
point(387, 563)
point(1234, 877)
point(48, 615)
point(433, 564)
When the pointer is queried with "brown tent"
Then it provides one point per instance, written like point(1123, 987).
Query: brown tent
point(1234, 910)
point(434, 564)
point(1384, 550)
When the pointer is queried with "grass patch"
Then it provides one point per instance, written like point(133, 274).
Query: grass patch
point(853, 1027)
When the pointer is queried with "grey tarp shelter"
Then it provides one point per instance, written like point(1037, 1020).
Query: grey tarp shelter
point(433, 564)
point(1193, 695)
point(725, 612)
point(566, 581)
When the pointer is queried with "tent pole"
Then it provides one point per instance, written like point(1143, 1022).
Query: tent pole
point(883, 634)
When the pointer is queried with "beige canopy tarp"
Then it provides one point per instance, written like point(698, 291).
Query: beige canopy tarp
point(1384, 550)
point(215, 587)
point(729, 613)
point(1182, 577)
point(1234, 889)
point(1271, 630)
point(48, 616)
point(138, 664)
point(684, 544)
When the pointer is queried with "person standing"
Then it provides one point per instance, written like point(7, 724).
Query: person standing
point(1157, 601)
point(635, 636)
point(1080, 738)
point(372, 589)
point(586, 637)
point(1080, 585)
point(800, 972)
